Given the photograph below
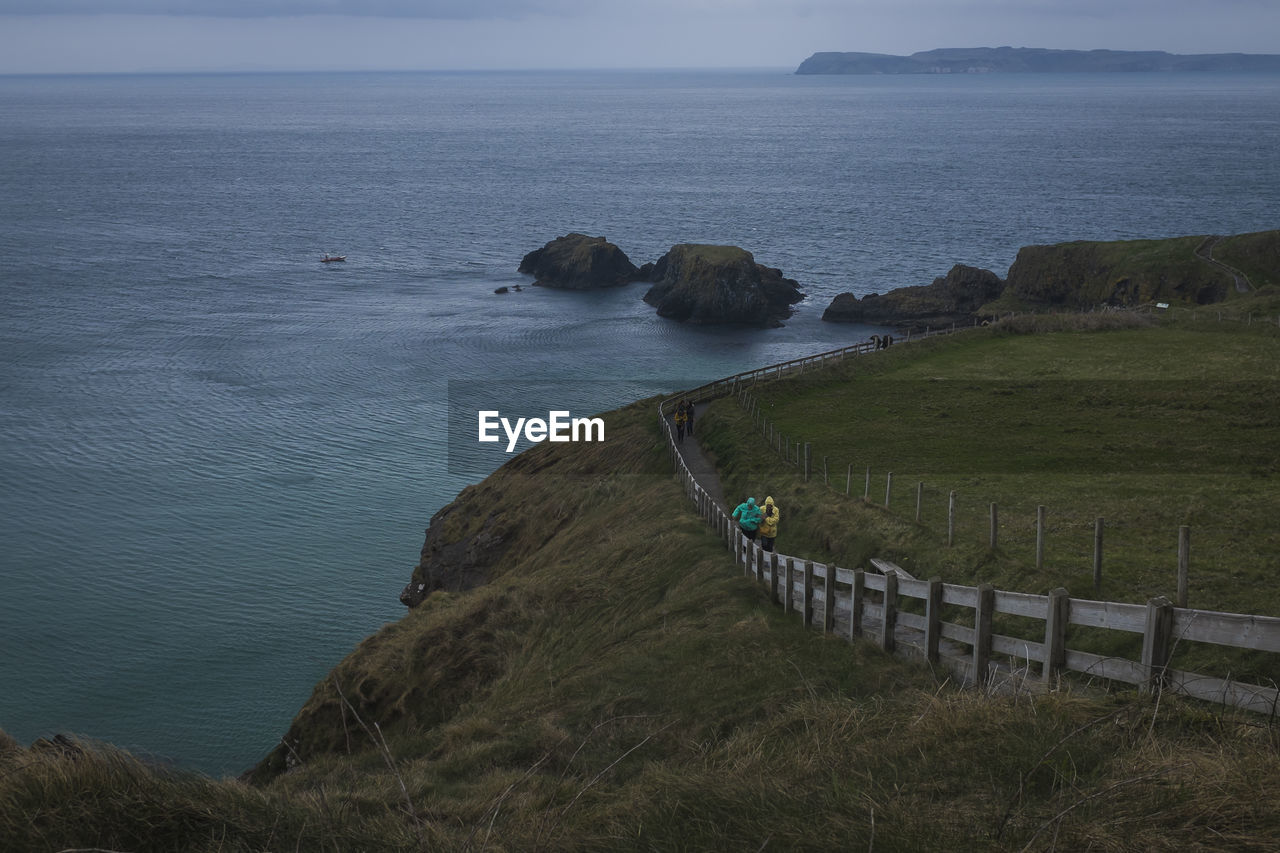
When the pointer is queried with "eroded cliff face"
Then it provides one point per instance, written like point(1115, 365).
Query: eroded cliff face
point(461, 548)
point(719, 284)
point(578, 262)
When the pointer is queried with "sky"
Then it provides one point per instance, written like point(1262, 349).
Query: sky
point(74, 36)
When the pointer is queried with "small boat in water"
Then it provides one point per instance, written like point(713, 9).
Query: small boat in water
point(328, 258)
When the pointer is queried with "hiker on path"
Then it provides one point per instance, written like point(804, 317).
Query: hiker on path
point(688, 410)
point(748, 517)
point(680, 418)
point(770, 516)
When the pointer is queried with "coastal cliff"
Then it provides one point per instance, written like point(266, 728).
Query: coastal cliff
point(1085, 274)
point(617, 684)
point(1080, 275)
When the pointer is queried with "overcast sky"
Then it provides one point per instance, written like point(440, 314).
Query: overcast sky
point(38, 36)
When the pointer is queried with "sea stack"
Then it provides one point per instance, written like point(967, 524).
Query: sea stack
point(578, 262)
point(696, 283)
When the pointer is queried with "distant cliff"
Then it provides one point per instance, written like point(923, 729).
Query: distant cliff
point(980, 60)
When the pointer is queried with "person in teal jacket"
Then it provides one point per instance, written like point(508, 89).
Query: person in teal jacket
point(748, 517)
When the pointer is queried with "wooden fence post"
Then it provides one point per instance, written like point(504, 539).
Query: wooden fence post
point(933, 620)
point(951, 520)
point(1156, 642)
point(856, 592)
point(808, 593)
point(982, 633)
point(806, 461)
point(773, 577)
point(1055, 634)
point(888, 489)
point(848, 480)
point(919, 500)
point(825, 481)
point(887, 638)
point(1097, 556)
point(829, 599)
point(788, 594)
point(866, 492)
point(1184, 563)
point(1039, 538)
point(759, 564)
point(995, 526)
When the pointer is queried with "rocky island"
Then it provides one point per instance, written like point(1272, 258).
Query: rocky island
point(719, 284)
point(692, 283)
point(578, 262)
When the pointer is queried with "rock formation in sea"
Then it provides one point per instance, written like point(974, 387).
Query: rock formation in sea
point(578, 262)
point(718, 284)
point(950, 299)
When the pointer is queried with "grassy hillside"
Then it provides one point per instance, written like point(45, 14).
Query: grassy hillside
point(1084, 274)
point(618, 686)
point(1149, 428)
point(1255, 255)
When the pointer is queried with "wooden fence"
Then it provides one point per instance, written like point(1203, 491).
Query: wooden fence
point(878, 603)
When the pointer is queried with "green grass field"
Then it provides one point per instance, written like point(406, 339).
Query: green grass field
point(1149, 428)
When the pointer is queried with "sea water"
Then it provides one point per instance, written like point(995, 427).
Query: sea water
point(218, 455)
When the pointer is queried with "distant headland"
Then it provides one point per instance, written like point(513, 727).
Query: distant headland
point(986, 60)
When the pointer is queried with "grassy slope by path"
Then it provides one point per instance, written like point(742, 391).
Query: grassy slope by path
point(619, 686)
point(1147, 428)
point(1254, 255)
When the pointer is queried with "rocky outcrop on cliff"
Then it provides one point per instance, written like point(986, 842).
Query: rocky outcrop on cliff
point(457, 554)
point(953, 298)
point(719, 284)
point(578, 262)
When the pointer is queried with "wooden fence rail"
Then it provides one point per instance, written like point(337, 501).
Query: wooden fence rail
point(906, 615)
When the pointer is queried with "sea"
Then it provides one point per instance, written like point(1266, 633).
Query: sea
point(218, 455)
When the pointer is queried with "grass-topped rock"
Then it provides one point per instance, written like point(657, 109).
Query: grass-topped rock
point(719, 284)
point(578, 262)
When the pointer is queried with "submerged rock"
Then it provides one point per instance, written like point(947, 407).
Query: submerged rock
point(719, 284)
point(578, 262)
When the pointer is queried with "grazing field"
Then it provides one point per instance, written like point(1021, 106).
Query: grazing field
point(1149, 427)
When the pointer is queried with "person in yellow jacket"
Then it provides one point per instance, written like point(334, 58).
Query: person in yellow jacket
point(770, 516)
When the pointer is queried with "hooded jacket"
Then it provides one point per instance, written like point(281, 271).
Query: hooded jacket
point(748, 514)
point(769, 522)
